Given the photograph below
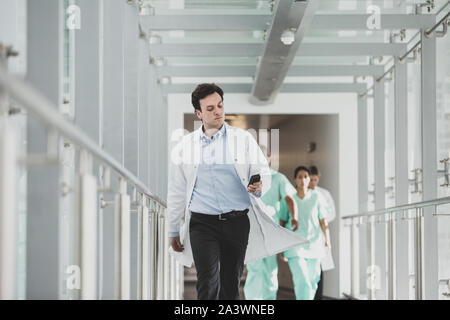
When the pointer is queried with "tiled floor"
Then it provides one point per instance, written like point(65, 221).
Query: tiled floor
point(190, 291)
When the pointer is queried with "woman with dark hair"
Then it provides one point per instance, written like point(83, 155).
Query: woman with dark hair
point(304, 260)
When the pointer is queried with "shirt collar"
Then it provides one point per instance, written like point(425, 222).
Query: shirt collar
point(218, 134)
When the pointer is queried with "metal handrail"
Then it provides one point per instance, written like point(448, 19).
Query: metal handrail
point(421, 204)
point(41, 107)
point(430, 31)
point(418, 223)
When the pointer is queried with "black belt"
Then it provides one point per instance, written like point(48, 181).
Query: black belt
point(223, 216)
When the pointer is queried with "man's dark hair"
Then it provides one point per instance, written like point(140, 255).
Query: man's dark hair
point(314, 171)
point(301, 168)
point(203, 90)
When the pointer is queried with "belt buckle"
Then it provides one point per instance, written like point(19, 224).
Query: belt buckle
point(221, 218)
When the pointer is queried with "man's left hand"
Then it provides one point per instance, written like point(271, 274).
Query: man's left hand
point(255, 188)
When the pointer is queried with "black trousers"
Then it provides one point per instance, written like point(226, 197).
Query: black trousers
point(218, 248)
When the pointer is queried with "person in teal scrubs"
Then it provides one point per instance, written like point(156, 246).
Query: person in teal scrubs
point(262, 275)
point(304, 260)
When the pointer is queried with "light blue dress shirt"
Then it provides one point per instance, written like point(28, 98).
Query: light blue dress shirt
point(217, 188)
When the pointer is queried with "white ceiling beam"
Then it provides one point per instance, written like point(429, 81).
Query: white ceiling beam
point(285, 88)
point(359, 21)
point(262, 22)
point(206, 22)
point(254, 50)
point(249, 71)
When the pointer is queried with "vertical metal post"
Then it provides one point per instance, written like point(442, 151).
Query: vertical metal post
point(160, 255)
point(154, 251)
point(166, 254)
point(88, 227)
point(354, 267)
point(391, 257)
point(173, 278)
point(8, 217)
point(145, 251)
point(180, 281)
point(139, 249)
point(418, 258)
point(371, 288)
point(171, 269)
point(122, 243)
point(429, 165)
point(143, 246)
point(177, 280)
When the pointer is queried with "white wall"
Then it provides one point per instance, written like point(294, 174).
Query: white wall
point(13, 26)
point(344, 105)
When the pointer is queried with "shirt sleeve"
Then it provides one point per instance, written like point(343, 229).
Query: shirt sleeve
point(176, 192)
point(174, 234)
point(330, 202)
point(258, 163)
point(283, 214)
point(322, 206)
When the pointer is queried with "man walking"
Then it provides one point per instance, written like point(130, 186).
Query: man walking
point(209, 185)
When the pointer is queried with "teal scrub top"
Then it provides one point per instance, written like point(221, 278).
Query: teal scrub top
point(280, 187)
point(310, 210)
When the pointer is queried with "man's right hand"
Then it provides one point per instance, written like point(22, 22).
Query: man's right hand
point(176, 244)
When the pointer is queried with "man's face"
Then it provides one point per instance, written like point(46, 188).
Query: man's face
point(213, 113)
point(302, 179)
point(314, 181)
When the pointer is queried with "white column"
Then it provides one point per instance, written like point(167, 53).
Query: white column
point(429, 166)
point(113, 123)
point(144, 94)
point(131, 114)
point(8, 187)
point(87, 70)
point(401, 180)
point(45, 27)
point(8, 216)
point(363, 184)
point(379, 164)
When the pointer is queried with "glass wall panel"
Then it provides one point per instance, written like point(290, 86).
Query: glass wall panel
point(443, 153)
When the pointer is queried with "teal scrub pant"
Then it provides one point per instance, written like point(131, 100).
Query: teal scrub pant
point(262, 279)
point(305, 275)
